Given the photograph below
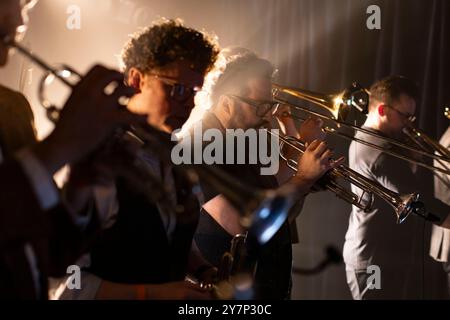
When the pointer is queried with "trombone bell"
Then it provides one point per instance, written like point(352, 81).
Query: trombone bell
point(338, 105)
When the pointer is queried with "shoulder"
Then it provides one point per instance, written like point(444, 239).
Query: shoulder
point(9, 95)
point(361, 155)
point(14, 102)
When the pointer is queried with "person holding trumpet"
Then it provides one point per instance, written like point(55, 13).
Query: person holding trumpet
point(40, 234)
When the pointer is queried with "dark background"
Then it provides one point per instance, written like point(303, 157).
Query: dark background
point(321, 45)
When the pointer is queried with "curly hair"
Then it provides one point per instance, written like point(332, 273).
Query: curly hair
point(391, 88)
point(167, 41)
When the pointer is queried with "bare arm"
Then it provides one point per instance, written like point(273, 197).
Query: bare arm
point(446, 223)
point(181, 290)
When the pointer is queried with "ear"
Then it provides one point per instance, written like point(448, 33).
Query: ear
point(134, 79)
point(226, 104)
point(381, 110)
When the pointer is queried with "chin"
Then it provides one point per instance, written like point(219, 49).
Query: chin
point(175, 123)
point(397, 134)
point(262, 124)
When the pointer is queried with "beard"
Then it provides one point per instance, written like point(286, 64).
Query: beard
point(262, 123)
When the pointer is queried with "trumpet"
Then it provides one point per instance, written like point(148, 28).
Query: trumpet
point(235, 271)
point(232, 260)
point(403, 205)
point(66, 74)
point(358, 98)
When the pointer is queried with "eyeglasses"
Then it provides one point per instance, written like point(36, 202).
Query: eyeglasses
point(178, 91)
point(262, 106)
point(410, 117)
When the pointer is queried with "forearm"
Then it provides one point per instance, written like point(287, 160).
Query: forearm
point(21, 215)
point(296, 210)
point(287, 126)
point(164, 291)
point(77, 198)
point(300, 186)
point(53, 154)
point(197, 263)
point(284, 173)
point(120, 291)
point(199, 269)
point(446, 222)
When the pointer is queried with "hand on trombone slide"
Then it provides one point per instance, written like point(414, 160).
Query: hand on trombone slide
point(315, 162)
point(310, 128)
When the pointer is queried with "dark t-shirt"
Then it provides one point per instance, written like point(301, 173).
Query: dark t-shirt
point(137, 248)
point(273, 272)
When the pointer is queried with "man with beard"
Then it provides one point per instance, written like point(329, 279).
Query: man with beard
point(240, 93)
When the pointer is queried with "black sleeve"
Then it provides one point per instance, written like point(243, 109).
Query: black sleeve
point(23, 220)
point(21, 217)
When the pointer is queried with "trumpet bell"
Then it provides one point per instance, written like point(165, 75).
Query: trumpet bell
point(62, 72)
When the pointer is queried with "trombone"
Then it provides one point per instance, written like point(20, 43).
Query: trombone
point(359, 98)
point(337, 104)
point(426, 143)
point(403, 205)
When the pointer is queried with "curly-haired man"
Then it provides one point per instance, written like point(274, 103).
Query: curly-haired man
point(144, 250)
point(166, 63)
